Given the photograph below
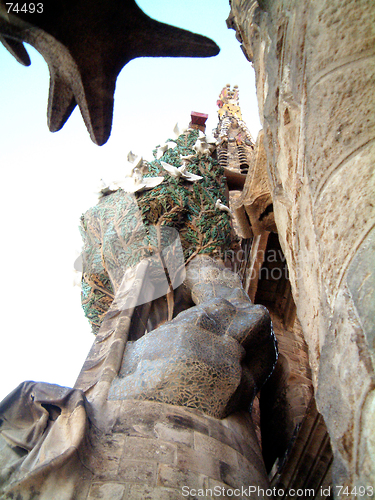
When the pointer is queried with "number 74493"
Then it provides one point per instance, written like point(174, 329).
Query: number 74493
point(26, 8)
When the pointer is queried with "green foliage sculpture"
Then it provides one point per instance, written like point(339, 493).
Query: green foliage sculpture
point(118, 220)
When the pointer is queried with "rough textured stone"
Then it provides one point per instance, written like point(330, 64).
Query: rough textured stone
point(142, 492)
point(315, 68)
point(149, 449)
point(165, 432)
point(106, 490)
point(174, 477)
point(213, 447)
point(141, 472)
point(106, 463)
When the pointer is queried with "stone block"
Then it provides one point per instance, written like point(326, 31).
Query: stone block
point(242, 426)
point(172, 477)
point(174, 434)
point(199, 462)
point(221, 433)
point(216, 448)
point(253, 469)
point(104, 491)
point(104, 453)
point(221, 491)
point(184, 420)
point(138, 471)
point(245, 474)
point(149, 449)
point(142, 492)
point(138, 418)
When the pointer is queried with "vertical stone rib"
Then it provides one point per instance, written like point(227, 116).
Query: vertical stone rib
point(315, 70)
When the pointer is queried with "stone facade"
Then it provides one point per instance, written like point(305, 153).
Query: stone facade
point(307, 198)
point(314, 64)
point(153, 450)
point(54, 444)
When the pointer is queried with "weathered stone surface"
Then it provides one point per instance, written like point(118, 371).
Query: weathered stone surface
point(179, 435)
point(105, 460)
point(315, 71)
point(143, 492)
point(213, 447)
point(219, 355)
point(102, 491)
point(198, 462)
point(150, 449)
point(141, 472)
point(361, 284)
point(175, 477)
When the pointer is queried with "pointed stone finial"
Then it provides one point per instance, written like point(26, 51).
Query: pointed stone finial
point(228, 102)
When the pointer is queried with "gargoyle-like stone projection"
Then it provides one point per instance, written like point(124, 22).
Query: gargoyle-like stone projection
point(86, 43)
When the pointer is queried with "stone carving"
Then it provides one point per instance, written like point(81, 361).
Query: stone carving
point(86, 45)
point(212, 358)
point(236, 148)
point(217, 357)
point(209, 361)
point(122, 229)
point(145, 450)
point(42, 428)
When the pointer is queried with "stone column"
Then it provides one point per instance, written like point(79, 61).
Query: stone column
point(164, 452)
point(315, 70)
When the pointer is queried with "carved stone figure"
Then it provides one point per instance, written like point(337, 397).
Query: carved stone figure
point(114, 435)
point(214, 359)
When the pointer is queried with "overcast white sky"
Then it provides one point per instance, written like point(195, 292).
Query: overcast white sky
point(48, 180)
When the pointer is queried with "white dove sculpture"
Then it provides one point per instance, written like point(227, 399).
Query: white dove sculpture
point(133, 181)
point(201, 146)
point(220, 206)
point(136, 182)
point(210, 139)
point(102, 189)
point(179, 129)
point(133, 162)
point(77, 279)
point(162, 149)
point(180, 172)
point(78, 269)
point(187, 159)
point(131, 157)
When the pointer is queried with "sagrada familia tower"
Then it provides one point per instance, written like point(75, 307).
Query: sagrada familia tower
point(229, 282)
